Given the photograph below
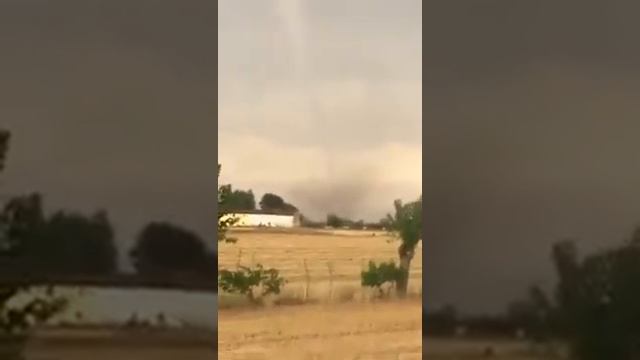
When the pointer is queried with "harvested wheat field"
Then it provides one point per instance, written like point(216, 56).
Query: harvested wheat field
point(317, 264)
point(385, 330)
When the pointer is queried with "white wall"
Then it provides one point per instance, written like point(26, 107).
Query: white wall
point(264, 220)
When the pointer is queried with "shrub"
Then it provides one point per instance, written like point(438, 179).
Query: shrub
point(16, 319)
point(378, 275)
point(246, 281)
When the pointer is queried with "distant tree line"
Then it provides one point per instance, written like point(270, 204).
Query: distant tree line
point(244, 200)
point(71, 243)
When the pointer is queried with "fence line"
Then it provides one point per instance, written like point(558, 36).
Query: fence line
point(330, 266)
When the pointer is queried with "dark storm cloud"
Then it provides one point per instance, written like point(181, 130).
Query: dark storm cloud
point(531, 136)
point(112, 105)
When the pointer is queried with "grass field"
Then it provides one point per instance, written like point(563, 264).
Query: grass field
point(318, 264)
point(336, 319)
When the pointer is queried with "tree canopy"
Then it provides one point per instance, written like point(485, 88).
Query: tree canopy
point(406, 223)
point(273, 202)
point(61, 243)
point(165, 248)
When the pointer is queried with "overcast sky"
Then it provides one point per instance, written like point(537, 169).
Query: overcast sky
point(320, 101)
point(112, 105)
point(532, 123)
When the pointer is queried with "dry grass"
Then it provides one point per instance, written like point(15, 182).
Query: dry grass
point(319, 265)
point(385, 330)
point(336, 320)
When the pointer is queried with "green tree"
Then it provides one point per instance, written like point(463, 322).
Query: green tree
point(334, 221)
point(406, 224)
point(239, 200)
point(224, 220)
point(247, 281)
point(64, 243)
point(73, 243)
point(5, 137)
point(22, 220)
point(599, 299)
point(567, 265)
point(273, 202)
point(244, 280)
point(15, 320)
point(377, 275)
point(164, 248)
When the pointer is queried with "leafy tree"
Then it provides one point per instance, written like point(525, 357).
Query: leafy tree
point(567, 266)
point(334, 221)
point(67, 243)
point(599, 300)
point(22, 220)
point(16, 320)
point(406, 224)
point(239, 200)
point(5, 137)
point(244, 280)
point(72, 243)
point(224, 221)
point(164, 248)
point(273, 202)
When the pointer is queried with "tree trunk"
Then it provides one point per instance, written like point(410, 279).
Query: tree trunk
point(406, 255)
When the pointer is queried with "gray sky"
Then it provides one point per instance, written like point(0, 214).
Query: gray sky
point(531, 136)
point(112, 104)
point(320, 101)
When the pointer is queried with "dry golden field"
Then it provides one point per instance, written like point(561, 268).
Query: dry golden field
point(317, 264)
point(335, 319)
point(387, 330)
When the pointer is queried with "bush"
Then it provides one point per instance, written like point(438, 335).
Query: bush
point(246, 281)
point(17, 319)
point(377, 275)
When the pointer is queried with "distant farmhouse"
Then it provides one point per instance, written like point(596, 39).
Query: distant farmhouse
point(261, 218)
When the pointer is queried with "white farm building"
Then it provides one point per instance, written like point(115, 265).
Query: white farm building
point(259, 218)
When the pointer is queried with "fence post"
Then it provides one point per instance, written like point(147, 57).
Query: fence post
point(362, 290)
point(330, 268)
point(307, 279)
point(239, 257)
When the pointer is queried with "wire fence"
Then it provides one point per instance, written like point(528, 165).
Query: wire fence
point(307, 273)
